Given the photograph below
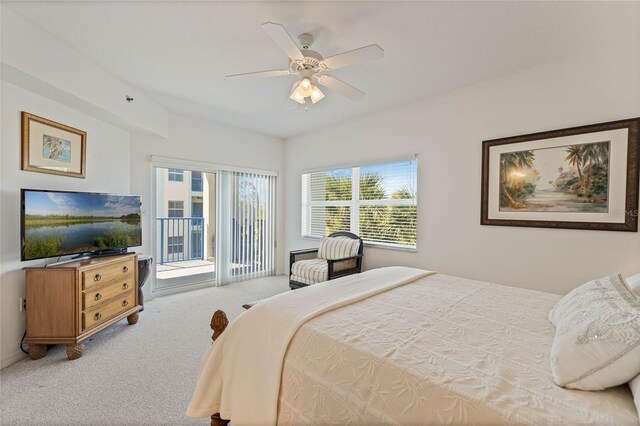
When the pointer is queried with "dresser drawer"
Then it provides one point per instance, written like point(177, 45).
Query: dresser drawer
point(98, 295)
point(116, 272)
point(107, 311)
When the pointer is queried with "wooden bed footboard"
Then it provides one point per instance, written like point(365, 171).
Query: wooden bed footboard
point(219, 322)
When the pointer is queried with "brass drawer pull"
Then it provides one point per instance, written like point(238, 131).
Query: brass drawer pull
point(125, 286)
point(125, 269)
point(98, 296)
point(125, 303)
point(98, 277)
point(97, 316)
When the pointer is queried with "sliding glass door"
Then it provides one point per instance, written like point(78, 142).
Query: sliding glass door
point(246, 224)
point(213, 227)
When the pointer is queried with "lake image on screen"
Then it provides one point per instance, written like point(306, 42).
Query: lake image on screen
point(570, 178)
point(57, 223)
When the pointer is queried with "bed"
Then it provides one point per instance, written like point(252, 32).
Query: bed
point(396, 346)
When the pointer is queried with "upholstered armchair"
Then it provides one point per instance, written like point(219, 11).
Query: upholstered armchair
point(339, 254)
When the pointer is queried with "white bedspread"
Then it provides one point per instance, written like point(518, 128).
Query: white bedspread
point(240, 375)
point(440, 350)
point(436, 350)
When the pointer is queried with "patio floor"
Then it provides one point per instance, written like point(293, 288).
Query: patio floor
point(183, 269)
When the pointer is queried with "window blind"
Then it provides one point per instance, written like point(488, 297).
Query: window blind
point(377, 202)
point(247, 222)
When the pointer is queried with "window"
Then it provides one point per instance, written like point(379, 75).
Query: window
point(196, 209)
point(176, 175)
point(196, 181)
point(175, 245)
point(176, 209)
point(378, 203)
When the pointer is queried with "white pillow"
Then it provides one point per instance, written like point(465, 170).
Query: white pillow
point(634, 283)
point(635, 390)
point(597, 341)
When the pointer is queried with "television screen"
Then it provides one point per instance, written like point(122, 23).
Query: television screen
point(59, 223)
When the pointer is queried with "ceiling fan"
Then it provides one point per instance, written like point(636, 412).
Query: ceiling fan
point(311, 67)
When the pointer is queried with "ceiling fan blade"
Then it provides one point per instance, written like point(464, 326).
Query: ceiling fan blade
point(258, 74)
point(352, 57)
point(341, 87)
point(283, 40)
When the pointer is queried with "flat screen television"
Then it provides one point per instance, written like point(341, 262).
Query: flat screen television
point(61, 223)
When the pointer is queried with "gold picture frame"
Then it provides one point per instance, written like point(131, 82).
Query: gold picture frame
point(53, 148)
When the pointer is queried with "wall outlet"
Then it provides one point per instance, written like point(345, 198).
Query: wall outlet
point(23, 304)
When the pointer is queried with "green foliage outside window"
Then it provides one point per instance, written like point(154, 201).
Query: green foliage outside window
point(379, 223)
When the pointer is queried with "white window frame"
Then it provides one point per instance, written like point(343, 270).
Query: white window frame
point(355, 203)
point(173, 174)
point(170, 209)
point(172, 245)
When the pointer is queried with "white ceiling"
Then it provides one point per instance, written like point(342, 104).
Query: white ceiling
point(179, 52)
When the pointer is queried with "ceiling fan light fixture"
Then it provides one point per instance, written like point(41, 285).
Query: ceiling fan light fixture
point(296, 96)
point(306, 83)
point(305, 87)
point(316, 94)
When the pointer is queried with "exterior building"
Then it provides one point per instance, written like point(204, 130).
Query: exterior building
point(186, 215)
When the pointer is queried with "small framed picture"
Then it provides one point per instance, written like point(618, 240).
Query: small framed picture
point(578, 178)
point(50, 147)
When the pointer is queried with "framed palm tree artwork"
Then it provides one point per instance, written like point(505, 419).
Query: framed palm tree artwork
point(578, 178)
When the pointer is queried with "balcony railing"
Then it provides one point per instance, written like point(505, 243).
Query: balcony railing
point(181, 238)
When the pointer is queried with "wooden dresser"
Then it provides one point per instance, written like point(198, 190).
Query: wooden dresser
point(69, 303)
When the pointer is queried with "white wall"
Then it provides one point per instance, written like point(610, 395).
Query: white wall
point(199, 140)
point(39, 62)
point(447, 133)
point(108, 170)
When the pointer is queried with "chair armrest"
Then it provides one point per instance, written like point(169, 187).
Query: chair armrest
point(303, 251)
point(332, 262)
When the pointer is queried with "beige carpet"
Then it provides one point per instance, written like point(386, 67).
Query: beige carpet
point(129, 375)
